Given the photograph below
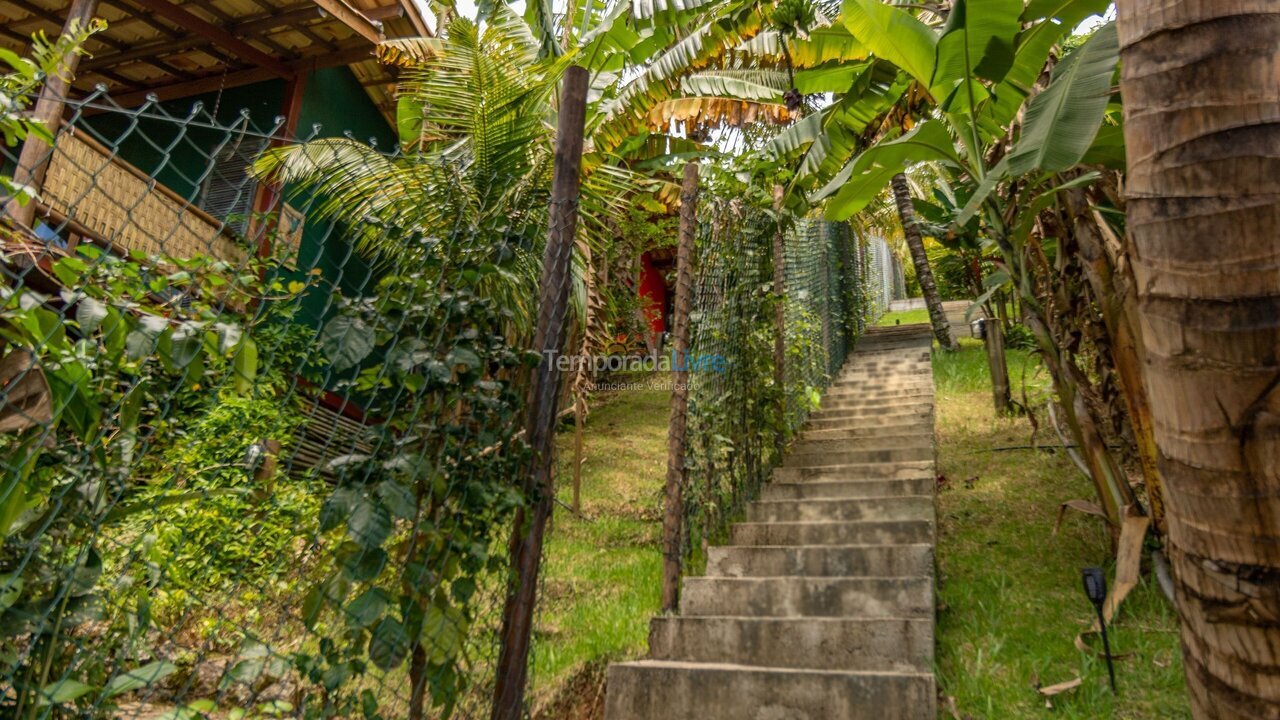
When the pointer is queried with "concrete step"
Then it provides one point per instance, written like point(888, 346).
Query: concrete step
point(879, 644)
point(874, 389)
point(922, 437)
point(858, 532)
point(857, 471)
point(822, 606)
point(889, 372)
point(869, 423)
point(870, 389)
point(911, 507)
point(866, 421)
point(843, 408)
point(865, 431)
point(922, 450)
point(862, 416)
point(899, 346)
point(914, 402)
point(866, 597)
point(847, 489)
point(820, 561)
point(908, 378)
point(853, 392)
point(667, 690)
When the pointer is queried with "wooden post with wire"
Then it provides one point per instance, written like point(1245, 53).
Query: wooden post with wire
point(673, 519)
point(33, 159)
point(579, 418)
point(780, 321)
point(511, 673)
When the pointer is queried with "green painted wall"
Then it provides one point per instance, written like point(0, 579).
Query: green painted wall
point(178, 154)
point(334, 104)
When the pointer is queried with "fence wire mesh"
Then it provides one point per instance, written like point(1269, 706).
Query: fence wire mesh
point(245, 469)
point(833, 289)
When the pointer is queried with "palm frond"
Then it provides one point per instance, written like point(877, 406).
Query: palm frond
point(660, 80)
point(750, 84)
point(699, 114)
point(408, 52)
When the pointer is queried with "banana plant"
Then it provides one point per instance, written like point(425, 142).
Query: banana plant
point(973, 72)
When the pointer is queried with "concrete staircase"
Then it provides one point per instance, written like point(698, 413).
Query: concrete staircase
point(822, 606)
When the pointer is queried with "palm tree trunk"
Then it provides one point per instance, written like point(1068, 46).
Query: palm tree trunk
point(915, 243)
point(1202, 125)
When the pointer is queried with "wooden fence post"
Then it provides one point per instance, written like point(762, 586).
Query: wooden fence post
point(512, 670)
point(33, 159)
point(780, 322)
point(996, 362)
point(673, 520)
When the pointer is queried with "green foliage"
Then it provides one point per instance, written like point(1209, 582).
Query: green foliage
point(977, 43)
point(244, 527)
point(121, 363)
point(1062, 121)
point(738, 418)
point(863, 179)
point(894, 34)
point(1019, 337)
point(414, 530)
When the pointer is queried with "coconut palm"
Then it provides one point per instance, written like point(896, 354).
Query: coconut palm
point(1203, 189)
point(476, 115)
point(471, 180)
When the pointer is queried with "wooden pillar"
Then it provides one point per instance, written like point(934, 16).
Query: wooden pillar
point(996, 362)
point(512, 670)
point(266, 197)
point(673, 520)
point(780, 322)
point(33, 159)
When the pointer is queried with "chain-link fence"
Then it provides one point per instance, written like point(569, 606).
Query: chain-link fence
point(833, 287)
point(262, 403)
point(244, 468)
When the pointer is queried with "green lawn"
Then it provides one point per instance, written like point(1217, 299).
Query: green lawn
point(603, 571)
point(905, 317)
point(1010, 593)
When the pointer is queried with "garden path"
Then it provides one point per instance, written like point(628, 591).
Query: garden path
point(822, 605)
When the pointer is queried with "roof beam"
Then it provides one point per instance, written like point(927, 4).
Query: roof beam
point(286, 17)
point(228, 23)
point(211, 83)
point(384, 12)
point(415, 17)
point(218, 35)
point(293, 16)
point(352, 18)
point(36, 11)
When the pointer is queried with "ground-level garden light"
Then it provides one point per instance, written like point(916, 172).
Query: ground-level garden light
point(1095, 586)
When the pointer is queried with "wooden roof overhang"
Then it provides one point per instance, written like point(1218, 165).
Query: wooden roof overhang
point(180, 48)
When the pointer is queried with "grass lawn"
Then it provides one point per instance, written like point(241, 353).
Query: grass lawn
point(603, 572)
point(1011, 601)
point(905, 317)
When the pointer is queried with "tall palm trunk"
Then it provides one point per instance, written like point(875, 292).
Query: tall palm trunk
point(1201, 84)
point(915, 243)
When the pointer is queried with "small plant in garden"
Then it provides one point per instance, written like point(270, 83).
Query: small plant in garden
point(243, 531)
point(414, 527)
point(116, 360)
